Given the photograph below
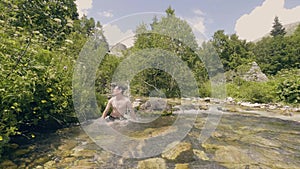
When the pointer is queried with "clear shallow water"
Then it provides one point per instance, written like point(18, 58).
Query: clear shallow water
point(240, 141)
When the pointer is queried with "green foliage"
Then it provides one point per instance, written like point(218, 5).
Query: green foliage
point(51, 20)
point(105, 73)
point(278, 29)
point(231, 50)
point(174, 35)
point(256, 92)
point(39, 46)
point(278, 53)
point(284, 87)
point(289, 86)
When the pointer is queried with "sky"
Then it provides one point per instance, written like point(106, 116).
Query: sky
point(249, 19)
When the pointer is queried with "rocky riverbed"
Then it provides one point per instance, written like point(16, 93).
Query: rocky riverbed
point(241, 140)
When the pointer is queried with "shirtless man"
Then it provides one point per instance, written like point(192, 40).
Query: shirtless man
point(120, 104)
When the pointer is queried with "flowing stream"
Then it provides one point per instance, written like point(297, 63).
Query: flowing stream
point(241, 140)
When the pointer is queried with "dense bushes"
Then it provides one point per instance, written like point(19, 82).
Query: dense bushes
point(289, 86)
point(284, 87)
point(256, 92)
point(36, 67)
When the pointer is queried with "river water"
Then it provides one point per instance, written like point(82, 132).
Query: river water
point(239, 141)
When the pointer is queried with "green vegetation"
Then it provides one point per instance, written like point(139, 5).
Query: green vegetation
point(41, 40)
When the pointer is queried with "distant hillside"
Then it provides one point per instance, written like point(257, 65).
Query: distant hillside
point(289, 28)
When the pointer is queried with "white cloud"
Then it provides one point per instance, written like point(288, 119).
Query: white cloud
point(259, 22)
point(198, 12)
point(197, 24)
point(114, 35)
point(107, 14)
point(83, 6)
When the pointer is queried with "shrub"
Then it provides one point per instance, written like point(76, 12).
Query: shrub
point(288, 88)
point(256, 92)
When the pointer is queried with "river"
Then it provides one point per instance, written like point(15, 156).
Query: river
point(241, 140)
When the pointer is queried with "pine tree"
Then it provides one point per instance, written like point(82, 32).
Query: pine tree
point(170, 11)
point(278, 29)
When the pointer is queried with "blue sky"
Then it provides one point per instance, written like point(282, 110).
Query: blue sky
point(208, 16)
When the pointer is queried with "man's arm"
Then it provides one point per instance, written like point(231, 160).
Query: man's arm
point(106, 109)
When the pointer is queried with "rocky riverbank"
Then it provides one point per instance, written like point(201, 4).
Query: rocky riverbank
point(228, 105)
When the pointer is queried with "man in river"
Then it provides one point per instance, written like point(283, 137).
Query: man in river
point(120, 104)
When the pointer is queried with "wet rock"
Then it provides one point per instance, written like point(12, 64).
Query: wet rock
point(260, 141)
point(85, 163)
point(199, 123)
point(181, 152)
point(286, 112)
point(83, 153)
point(203, 107)
point(229, 100)
point(296, 110)
point(209, 147)
point(272, 107)
point(13, 146)
point(41, 160)
point(207, 99)
point(21, 152)
point(39, 167)
point(152, 163)
point(8, 164)
point(182, 166)
point(232, 157)
point(153, 132)
point(49, 164)
point(68, 145)
point(200, 154)
point(136, 104)
point(228, 109)
point(154, 104)
point(176, 108)
point(68, 160)
point(216, 134)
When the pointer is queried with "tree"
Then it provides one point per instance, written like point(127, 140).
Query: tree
point(278, 29)
point(275, 54)
point(231, 50)
point(173, 35)
point(170, 11)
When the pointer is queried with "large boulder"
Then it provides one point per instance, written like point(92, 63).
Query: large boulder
point(117, 49)
point(255, 74)
point(155, 104)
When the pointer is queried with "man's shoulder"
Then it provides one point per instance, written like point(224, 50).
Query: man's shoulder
point(111, 99)
point(127, 99)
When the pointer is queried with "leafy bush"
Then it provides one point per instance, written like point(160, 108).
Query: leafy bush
point(289, 86)
point(256, 92)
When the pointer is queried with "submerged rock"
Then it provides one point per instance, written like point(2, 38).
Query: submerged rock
point(200, 154)
point(153, 163)
point(8, 164)
point(232, 157)
point(181, 152)
point(182, 166)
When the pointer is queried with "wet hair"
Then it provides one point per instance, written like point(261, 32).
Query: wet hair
point(123, 88)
